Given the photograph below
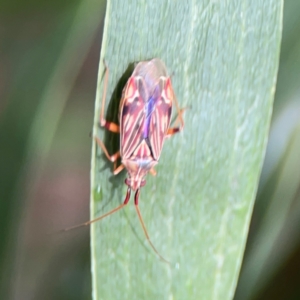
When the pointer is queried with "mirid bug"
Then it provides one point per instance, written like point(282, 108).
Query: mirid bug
point(144, 123)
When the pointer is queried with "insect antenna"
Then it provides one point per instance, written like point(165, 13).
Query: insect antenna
point(103, 216)
point(136, 203)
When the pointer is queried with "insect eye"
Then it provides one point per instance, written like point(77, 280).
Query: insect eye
point(127, 182)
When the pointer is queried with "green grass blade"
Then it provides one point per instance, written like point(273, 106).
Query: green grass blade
point(224, 58)
point(268, 249)
point(272, 247)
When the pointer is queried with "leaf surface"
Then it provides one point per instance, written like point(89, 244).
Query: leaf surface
point(223, 58)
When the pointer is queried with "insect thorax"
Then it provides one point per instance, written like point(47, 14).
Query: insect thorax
point(137, 171)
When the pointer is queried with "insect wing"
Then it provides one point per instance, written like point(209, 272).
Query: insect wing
point(161, 117)
point(132, 115)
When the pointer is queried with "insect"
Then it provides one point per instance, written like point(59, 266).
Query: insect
point(144, 124)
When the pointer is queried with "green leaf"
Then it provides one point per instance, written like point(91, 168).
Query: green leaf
point(224, 60)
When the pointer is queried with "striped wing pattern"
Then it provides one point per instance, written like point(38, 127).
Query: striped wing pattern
point(132, 117)
point(145, 114)
point(160, 120)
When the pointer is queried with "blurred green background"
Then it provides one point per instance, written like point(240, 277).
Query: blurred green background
point(48, 67)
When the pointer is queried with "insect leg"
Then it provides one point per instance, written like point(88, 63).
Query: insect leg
point(152, 172)
point(179, 119)
point(113, 158)
point(136, 203)
point(113, 127)
point(118, 169)
point(177, 129)
point(109, 126)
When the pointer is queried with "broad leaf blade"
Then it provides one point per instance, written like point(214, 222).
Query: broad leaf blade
point(197, 209)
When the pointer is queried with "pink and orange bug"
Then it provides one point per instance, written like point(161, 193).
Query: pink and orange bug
point(144, 124)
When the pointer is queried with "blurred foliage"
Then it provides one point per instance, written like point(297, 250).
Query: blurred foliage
point(33, 35)
point(271, 264)
point(13, 7)
point(44, 45)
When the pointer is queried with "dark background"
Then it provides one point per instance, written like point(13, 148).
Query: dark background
point(44, 171)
